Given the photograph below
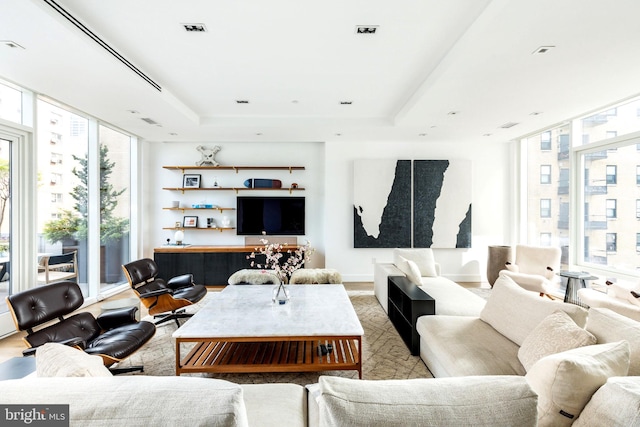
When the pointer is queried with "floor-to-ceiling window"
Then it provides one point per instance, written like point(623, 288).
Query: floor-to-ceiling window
point(608, 161)
point(5, 219)
point(547, 178)
point(583, 190)
point(115, 204)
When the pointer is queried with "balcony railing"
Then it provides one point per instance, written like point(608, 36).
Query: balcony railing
point(591, 190)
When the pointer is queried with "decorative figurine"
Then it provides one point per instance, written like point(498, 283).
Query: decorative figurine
point(208, 155)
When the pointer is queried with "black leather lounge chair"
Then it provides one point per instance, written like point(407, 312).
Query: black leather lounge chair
point(113, 335)
point(160, 296)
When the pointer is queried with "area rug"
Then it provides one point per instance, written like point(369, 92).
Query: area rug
point(385, 356)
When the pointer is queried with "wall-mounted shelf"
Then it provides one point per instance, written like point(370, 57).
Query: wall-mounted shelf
point(221, 229)
point(236, 189)
point(200, 209)
point(236, 168)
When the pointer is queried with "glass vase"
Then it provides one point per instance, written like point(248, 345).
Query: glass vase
point(280, 294)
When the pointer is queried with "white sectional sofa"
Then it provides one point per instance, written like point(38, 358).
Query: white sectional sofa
point(419, 266)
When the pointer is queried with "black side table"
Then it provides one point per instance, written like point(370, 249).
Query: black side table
point(17, 367)
point(407, 302)
point(575, 280)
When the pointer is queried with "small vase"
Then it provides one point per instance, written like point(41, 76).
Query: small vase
point(280, 294)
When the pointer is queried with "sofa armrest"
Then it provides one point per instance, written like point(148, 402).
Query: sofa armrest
point(381, 273)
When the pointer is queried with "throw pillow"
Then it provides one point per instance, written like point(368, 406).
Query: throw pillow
point(556, 333)
point(58, 360)
point(614, 404)
point(411, 270)
point(566, 381)
point(480, 400)
point(608, 326)
point(422, 257)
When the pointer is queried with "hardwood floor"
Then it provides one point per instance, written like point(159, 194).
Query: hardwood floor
point(13, 345)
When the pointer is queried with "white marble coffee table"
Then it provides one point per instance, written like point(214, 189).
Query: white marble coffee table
point(241, 330)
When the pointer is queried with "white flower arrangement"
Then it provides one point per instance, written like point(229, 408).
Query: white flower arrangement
point(274, 253)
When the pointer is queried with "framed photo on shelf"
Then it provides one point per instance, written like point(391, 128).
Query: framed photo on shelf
point(190, 222)
point(191, 181)
point(178, 224)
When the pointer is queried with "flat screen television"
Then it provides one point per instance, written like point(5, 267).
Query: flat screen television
point(276, 216)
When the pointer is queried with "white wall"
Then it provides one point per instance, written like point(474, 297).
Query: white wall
point(492, 203)
point(328, 180)
point(156, 155)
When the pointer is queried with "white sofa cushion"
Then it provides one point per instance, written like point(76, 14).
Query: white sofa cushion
point(515, 312)
point(556, 333)
point(423, 258)
point(608, 327)
point(617, 403)
point(59, 360)
point(451, 298)
point(456, 346)
point(275, 405)
point(410, 269)
point(441, 402)
point(566, 381)
point(135, 400)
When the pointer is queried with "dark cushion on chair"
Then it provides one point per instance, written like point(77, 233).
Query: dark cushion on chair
point(122, 341)
point(38, 305)
point(194, 293)
point(81, 325)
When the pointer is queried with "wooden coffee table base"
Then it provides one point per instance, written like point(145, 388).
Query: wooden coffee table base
point(298, 354)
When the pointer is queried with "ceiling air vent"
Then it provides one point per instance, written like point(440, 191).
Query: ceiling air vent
point(195, 28)
point(148, 120)
point(366, 29)
point(508, 125)
point(242, 101)
point(80, 26)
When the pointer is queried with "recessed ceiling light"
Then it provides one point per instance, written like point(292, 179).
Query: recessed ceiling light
point(487, 134)
point(338, 134)
point(195, 28)
point(11, 44)
point(542, 49)
point(366, 29)
point(259, 133)
point(453, 113)
point(133, 111)
point(173, 134)
point(295, 101)
point(535, 113)
point(149, 120)
point(242, 101)
point(422, 134)
point(508, 125)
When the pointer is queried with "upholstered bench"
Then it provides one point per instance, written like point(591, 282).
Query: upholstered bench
point(312, 276)
point(254, 276)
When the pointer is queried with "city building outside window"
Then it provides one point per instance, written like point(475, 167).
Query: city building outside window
point(545, 174)
point(545, 208)
point(612, 208)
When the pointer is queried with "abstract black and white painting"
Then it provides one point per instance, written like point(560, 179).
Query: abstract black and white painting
point(382, 204)
point(441, 204)
point(404, 203)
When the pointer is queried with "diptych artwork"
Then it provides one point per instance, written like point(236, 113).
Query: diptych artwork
point(419, 203)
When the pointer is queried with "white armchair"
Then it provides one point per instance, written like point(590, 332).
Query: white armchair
point(535, 268)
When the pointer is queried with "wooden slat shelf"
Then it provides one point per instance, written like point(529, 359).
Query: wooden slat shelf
point(271, 356)
point(236, 189)
point(200, 209)
point(236, 168)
